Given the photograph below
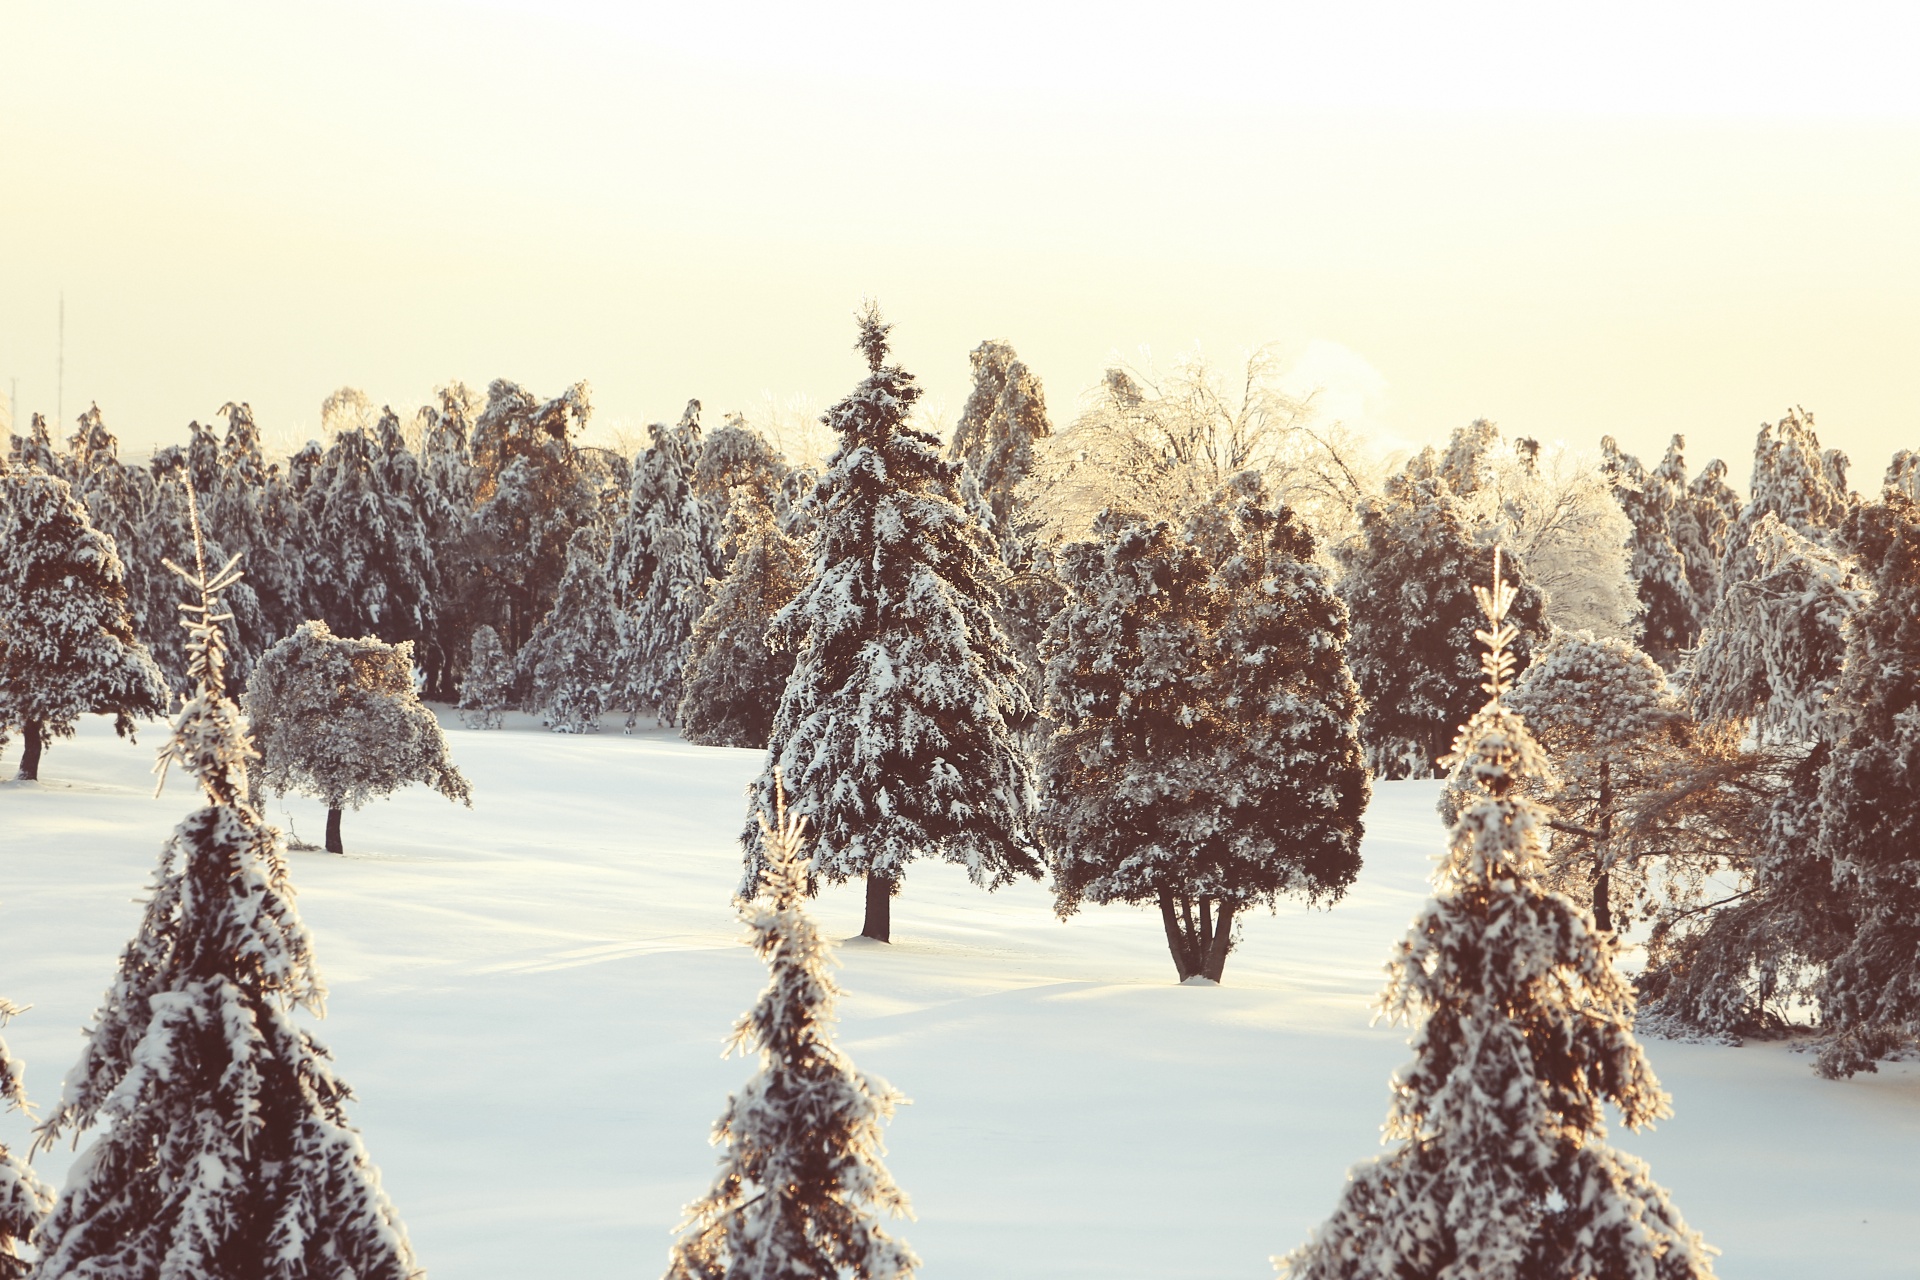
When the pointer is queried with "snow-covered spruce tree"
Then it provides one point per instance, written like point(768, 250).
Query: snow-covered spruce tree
point(1771, 652)
point(448, 486)
point(252, 513)
point(1406, 587)
point(664, 553)
point(897, 732)
point(734, 678)
point(487, 686)
point(67, 646)
point(1615, 731)
point(532, 493)
point(373, 567)
point(1802, 486)
point(566, 661)
point(1500, 1168)
point(1005, 413)
point(801, 1187)
point(24, 1199)
point(1654, 505)
point(1205, 751)
point(1870, 798)
point(340, 720)
point(224, 1151)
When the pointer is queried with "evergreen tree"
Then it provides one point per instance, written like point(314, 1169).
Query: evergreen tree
point(449, 487)
point(340, 720)
point(1413, 618)
point(801, 1186)
point(1005, 413)
point(1870, 797)
point(1654, 505)
point(252, 513)
point(566, 661)
point(1205, 753)
point(734, 678)
point(67, 645)
point(224, 1151)
point(1802, 486)
point(1501, 1170)
point(373, 571)
point(662, 557)
point(24, 1199)
point(897, 729)
point(1771, 652)
point(487, 687)
point(532, 493)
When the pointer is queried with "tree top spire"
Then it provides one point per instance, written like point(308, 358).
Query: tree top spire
point(872, 342)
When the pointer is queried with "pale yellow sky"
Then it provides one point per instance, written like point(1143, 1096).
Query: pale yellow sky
point(1628, 218)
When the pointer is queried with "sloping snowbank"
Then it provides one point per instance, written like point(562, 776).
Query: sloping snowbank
point(529, 997)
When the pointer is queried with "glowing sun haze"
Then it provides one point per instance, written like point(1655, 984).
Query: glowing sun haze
point(1631, 218)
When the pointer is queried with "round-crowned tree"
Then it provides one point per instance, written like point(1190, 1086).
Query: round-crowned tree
point(340, 720)
point(1205, 754)
point(66, 641)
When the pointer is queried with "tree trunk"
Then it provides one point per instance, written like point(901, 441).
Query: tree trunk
point(1222, 942)
point(879, 925)
point(1602, 908)
point(30, 757)
point(1176, 937)
point(333, 831)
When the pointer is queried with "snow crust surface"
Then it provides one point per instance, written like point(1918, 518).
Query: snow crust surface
point(530, 999)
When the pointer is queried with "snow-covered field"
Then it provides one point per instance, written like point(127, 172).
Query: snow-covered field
point(529, 997)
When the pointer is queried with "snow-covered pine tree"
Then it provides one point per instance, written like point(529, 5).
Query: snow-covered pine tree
point(449, 485)
point(1407, 589)
point(1205, 751)
point(1870, 797)
point(664, 553)
point(487, 687)
point(35, 451)
point(1005, 413)
point(734, 678)
point(1615, 731)
point(252, 513)
point(1653, 504)
point(532, 494)
point(801, 1187)
point(224, 1151)
point(24, 1199)
point(1523, 1033)
point(1802, 486)
point(898, 729)
point(565, 663)
point(1771, 652)
point(340, 720)
point(373, 569)
point(67, 645)
point(732, 456)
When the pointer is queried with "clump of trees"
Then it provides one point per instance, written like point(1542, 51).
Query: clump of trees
point(1522, 1033)
point(224, 1150)
point(340, 720)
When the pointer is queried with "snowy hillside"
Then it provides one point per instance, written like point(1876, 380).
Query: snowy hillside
point(529, 997)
